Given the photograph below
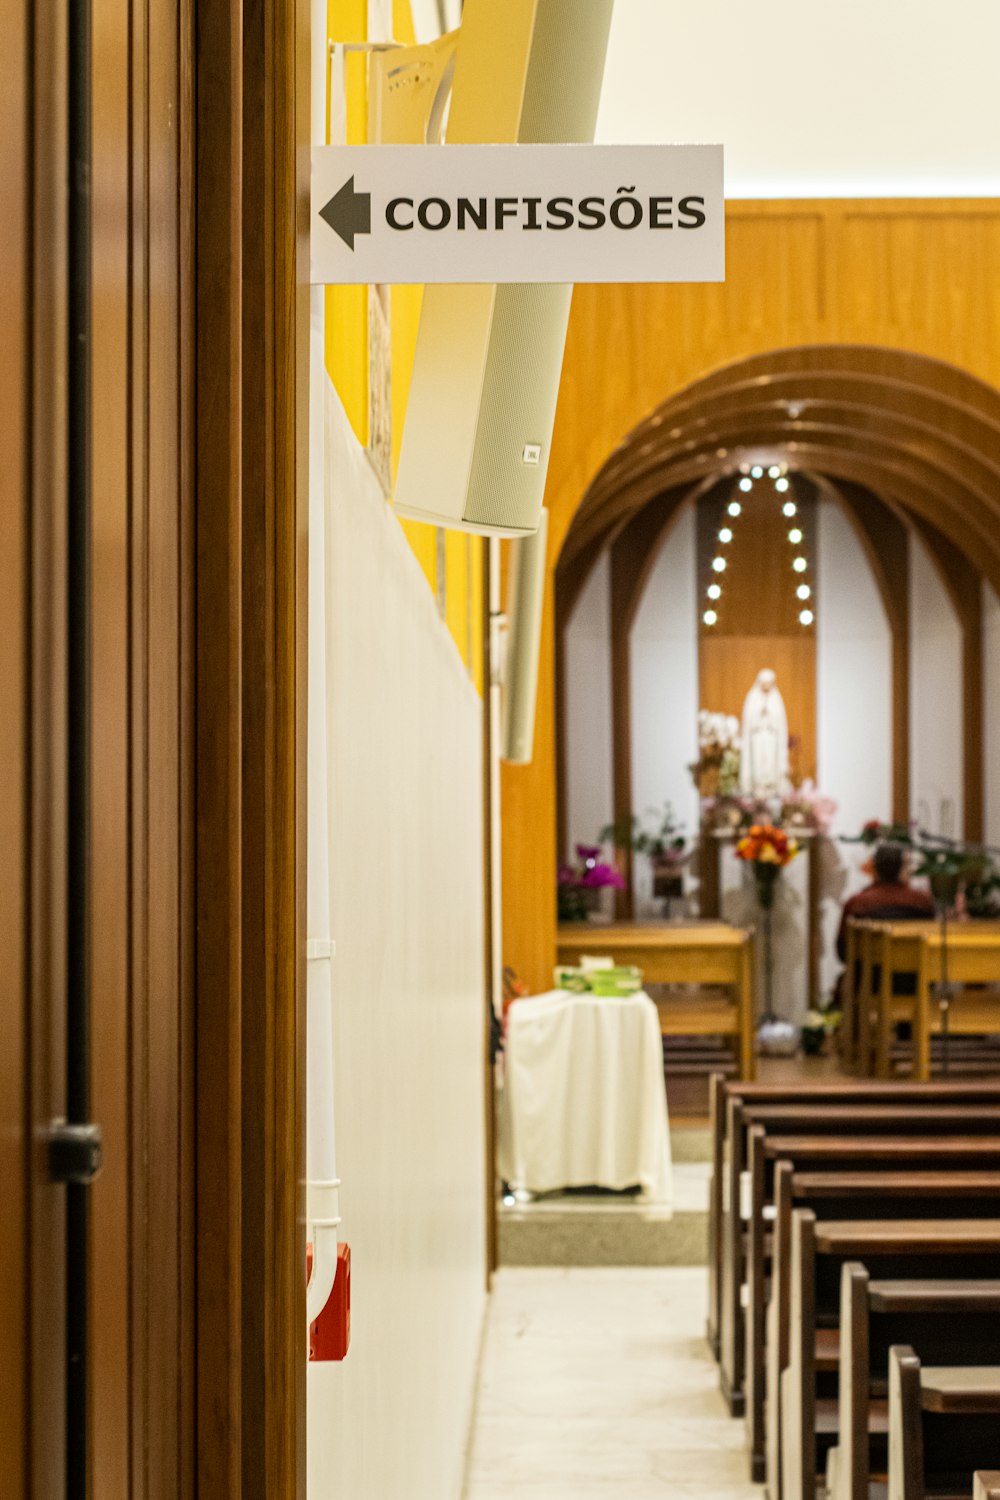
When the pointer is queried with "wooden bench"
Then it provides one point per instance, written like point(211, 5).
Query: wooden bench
point(722, 1092)
point(943, 1424)
point(950, 1322)
point(907, 1249)
point(864, 1118)
point(911, 1193)
point(882, 950)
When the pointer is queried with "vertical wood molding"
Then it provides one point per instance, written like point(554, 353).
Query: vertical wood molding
point(633, 557)
point(963, 584)
point(17, 1288)
point(884, 539)
point(218, 651)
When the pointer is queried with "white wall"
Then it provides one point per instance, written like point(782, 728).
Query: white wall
point(390, 1423)
point(853, 709)
point(664, 653)
point(991, 712)
point(935, 699)
point(867, 97)
point(589, 800)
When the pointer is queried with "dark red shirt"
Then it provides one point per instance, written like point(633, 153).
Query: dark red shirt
point(884, 898)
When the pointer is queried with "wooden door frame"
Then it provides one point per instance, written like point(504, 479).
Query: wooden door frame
point(251, 133)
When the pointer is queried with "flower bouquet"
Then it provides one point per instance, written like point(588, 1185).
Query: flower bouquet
point(580, 884)
point(665, 846)
point(767, 850)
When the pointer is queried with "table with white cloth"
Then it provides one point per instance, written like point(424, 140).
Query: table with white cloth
point(584, 1102)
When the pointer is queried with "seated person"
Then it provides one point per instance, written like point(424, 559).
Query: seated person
point(890, 897)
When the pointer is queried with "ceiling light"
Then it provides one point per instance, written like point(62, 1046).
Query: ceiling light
point(719, 564)
point(714, 591)
point(735, 508)
point(781, 484)
point(746, 483)
point(806, 617)
point(757, 472)
point(710, 617)
point(725, 535)
point(800, 565)
point(795, 535)
point(803, 591)
point(773, 472)
point(789, 508)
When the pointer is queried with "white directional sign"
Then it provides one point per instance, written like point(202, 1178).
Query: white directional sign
point(516, 213)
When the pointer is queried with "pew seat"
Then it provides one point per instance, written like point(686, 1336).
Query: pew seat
point(919, 1249)
point(944, 1425)
point(953, 1320)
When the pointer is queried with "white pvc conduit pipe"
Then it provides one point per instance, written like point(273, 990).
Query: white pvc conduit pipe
point(322, 1183)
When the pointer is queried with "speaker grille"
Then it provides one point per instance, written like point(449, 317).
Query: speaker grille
point(562, 89)
point(518, 405)
point(561, 94)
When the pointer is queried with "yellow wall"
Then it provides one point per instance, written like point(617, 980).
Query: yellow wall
point(347, 363)
point(919, 276)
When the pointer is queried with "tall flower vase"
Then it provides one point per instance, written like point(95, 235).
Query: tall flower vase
point(767, 849)
point(766, 881)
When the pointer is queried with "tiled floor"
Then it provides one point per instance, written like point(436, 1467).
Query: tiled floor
point(597, 1385)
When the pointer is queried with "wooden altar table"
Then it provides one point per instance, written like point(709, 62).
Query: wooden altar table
point(682, 953)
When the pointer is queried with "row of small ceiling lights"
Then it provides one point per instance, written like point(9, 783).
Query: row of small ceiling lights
point(800, 563)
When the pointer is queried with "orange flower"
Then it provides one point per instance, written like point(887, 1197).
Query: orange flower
point(764, 844)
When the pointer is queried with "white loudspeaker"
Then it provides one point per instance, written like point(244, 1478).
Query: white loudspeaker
point(526, 599)
point(482, 400)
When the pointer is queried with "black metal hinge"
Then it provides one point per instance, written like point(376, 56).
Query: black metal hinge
point(76, 1152)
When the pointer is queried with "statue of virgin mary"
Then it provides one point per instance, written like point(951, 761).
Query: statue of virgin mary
point(764, 739)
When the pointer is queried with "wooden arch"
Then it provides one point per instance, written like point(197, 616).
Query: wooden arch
point(880, 313)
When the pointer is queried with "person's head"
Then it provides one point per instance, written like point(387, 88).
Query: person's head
point(889, 863)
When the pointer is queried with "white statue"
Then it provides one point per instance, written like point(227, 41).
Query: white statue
point(764, 739)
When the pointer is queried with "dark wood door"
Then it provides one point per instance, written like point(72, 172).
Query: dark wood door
point(187, 922)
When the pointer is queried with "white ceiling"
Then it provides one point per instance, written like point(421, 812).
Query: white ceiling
point(859, 97)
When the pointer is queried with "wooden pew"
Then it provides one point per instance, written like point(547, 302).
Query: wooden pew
point(722, 1092)
point(950, 1322)
point(911, 1185)
point(908, 1249)
point(864, 1118)
point(943, 1423)
point(915, 948)
point(973, 957)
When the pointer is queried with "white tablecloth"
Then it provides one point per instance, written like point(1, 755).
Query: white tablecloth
point(584, 1101)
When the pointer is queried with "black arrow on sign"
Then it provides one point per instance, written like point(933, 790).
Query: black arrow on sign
point(349, 213)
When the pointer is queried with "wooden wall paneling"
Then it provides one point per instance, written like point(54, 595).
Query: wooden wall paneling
point(162, 1059)
point(529, 839)
point(962, 582)
point(275, 506)
point(41, 318)
point(16, 1167)
point(112, 1080)
point(884, 540)
point(219, 731)
point(906, 372)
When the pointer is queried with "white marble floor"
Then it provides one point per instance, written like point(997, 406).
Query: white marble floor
point(597, 1385)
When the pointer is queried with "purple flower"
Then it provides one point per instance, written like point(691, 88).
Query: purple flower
point(566, 875)
point(596, 876)
point(588, 853)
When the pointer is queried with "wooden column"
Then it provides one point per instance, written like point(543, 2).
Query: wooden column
point(963, 584)
point(884, 539)
point(633, 555)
